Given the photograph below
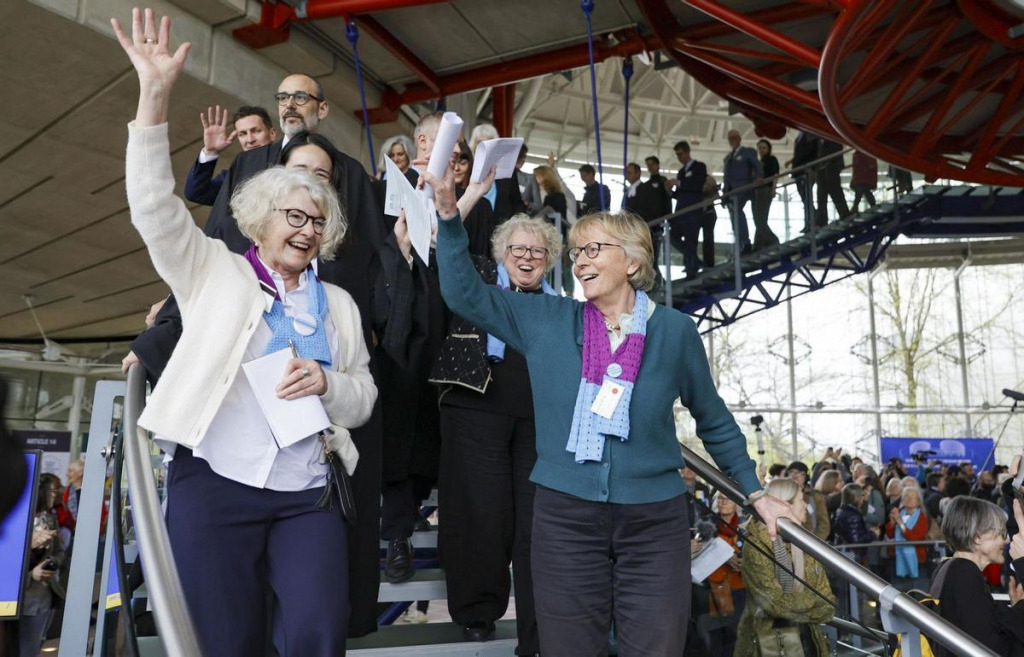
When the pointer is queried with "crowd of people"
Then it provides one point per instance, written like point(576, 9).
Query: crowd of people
point(546, 423)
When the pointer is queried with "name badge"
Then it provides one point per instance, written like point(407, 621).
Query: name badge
point(304, 324)
point(607, 400)
point(871, 509)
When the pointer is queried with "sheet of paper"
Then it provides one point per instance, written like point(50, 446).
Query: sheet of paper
point(710, 559)
point(447, 136)
point(502, 153)
point(400, 194)
point(289, 420)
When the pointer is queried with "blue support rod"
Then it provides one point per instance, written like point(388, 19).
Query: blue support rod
point(588, 8)
point(352, 32)
point(627, 74)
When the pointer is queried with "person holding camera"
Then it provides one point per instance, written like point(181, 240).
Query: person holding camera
point(45, 558)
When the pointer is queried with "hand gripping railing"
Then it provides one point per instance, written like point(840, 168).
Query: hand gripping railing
point(177, 631)
point(900, 613)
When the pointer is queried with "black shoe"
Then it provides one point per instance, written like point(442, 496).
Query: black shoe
point(478, 631)
point(420, 524)
point(399, 566)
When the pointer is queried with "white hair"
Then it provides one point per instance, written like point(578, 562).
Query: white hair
point(385, 150)
point(482, 132)
point(539, 227)
point(255, 201)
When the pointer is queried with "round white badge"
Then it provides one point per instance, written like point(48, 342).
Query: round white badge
point(614, 370)
point(304, 324)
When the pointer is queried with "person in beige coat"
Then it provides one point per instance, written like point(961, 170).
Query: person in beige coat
point(249, 512)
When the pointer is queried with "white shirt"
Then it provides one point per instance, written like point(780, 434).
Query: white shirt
point(625, 323)
point(239, 444)
point(631, 192)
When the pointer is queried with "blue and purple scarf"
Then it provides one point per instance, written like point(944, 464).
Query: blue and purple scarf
point(589, 430)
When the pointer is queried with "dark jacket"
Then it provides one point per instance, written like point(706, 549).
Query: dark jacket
point(650, 201)
point(805, 150)
point(508, 201)
point(592, 197)
point(849, 528)
point(690, 184)
point(201, 186)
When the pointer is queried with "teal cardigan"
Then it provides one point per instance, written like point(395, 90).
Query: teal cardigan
point(548, 330)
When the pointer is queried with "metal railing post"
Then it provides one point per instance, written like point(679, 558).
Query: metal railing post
point(175, 625)
point(737, 247)
point(666, 249)
point(893, 603)
point(558, 261)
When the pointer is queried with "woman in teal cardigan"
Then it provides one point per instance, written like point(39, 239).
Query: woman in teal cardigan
point(610, 533)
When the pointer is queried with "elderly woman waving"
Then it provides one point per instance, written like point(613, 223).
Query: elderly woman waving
point(610, 528)
point(247, 515)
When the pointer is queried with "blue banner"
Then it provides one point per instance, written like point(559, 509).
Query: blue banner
point(948, 451)
point(15, 539)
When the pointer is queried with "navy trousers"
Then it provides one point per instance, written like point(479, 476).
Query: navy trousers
point(594, 561)
point(234, 545)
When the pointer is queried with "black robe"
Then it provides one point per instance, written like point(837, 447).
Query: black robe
point(370, 267)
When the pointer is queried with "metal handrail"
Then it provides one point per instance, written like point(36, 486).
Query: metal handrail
point(859, 630)
point(905, 607)
point(176, 627)
point(934, 541)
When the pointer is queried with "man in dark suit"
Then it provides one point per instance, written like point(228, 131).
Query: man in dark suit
point(659, 182)
point(368, 266)
point(689, 191)
point(829, 184)
point(646, 200)
point(596, 197)
point(805, 150)
point(253, 129)
point(741, 168)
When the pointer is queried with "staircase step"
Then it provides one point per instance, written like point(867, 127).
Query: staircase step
point(426, 584)
point(419, 539)
point(433, 640)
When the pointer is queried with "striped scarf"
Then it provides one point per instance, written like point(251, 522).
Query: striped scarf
point(589, 430)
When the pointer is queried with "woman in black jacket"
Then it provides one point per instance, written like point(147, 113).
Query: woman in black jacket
point(763, 196)
point(488, 447)
point(976, 532)
point(848, 524)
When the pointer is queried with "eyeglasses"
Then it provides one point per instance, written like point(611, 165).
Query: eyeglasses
point(298, 219)
point(520, 251)
point(300, 97)
point(592, 250)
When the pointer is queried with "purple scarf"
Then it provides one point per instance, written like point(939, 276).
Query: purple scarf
point(600, 366)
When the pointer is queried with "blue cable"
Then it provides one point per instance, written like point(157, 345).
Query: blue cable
point(588, 7)
point(627, 73)
point(353, 35)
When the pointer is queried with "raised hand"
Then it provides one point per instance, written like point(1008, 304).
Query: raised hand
point(215, 130)
point(157, 69)
point(1017, 544)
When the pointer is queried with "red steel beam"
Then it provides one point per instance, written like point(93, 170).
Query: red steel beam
point(759, 31)
point(984, 151)
point(381, 35)
point(953, 93)
point(770, 16)
point(522, 68)
point(320, 9)
point(744, 52)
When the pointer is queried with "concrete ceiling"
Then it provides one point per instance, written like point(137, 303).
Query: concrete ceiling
point(65, 238)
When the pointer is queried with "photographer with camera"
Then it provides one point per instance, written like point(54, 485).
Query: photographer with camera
point(43, 583)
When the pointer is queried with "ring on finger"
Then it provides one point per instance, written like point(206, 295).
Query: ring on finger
point(305, 373)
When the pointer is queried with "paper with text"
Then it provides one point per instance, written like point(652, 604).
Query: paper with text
point(711, 558)
point(502, 153)
point(401, 195)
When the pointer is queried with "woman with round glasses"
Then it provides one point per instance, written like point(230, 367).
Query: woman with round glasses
point(488, 446)
point(249, 513)
point(610, 526)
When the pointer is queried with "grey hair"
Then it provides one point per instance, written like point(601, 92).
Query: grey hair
point(254, 203)
point(385, 150)
point(428, 123)
point(967, 518)
point(914, 490)
point(633, 235)
point(538, 227)
point(482, 132)
point(853, 494)
point(783, 488)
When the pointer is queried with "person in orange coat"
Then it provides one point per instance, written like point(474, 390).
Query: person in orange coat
point(909, 522)
point(726, 580)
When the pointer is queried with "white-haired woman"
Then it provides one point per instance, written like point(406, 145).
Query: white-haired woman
point(610, 534)
point(398, 149)
point(247, 515)
point(908, 522)
point(976, 532)
point(488, 446)
point(775, 600)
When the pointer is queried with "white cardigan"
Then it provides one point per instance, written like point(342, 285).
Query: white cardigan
point(221, 304)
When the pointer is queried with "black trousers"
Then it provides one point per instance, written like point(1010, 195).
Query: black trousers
point(400, 505)
point(829, 186)
point(683, 237)
point(486, 499)
point(707, 226)
point(594, 561)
